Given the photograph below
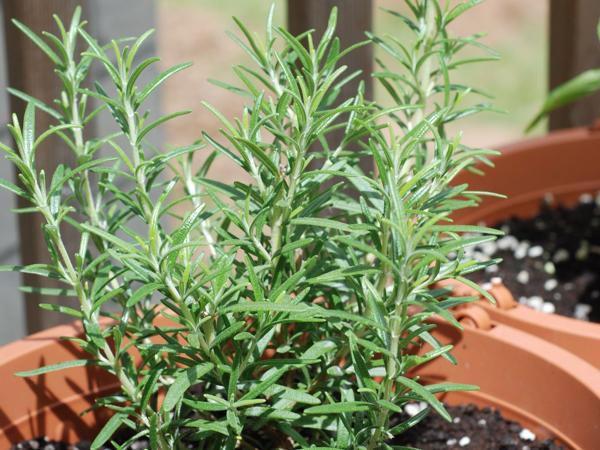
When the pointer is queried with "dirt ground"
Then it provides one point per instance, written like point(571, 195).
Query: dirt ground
point(194, 30)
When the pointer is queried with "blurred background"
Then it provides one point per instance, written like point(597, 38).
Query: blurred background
point(194, 30)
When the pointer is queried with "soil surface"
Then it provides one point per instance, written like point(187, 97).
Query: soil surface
point(472, 428)
point(43, 443)
point(551, 262)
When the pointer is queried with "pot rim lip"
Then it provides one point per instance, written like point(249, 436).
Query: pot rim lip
point(514, 151)
point(515, 201)
point(554, 137)
point(522, 313)
point(553, 354)
point(38, 341)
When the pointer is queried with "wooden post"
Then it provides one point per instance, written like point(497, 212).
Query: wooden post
point(29, 70)
point(355, 17)
point(574, 48)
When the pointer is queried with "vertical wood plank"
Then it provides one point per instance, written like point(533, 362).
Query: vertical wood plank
point(574, 48)
point(354, 18)
point(30, 70)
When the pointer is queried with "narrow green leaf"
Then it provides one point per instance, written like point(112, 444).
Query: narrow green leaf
point(13, 188)
point(38, 41)
point(142, 293)
point(205, 406)
point(426, 395)
point(55, 367)
point(319, 349)
point(182, 383)
point(339, 408)
point(38, 103)
point(322, 223)
point(182, 233)
point(467, 229)
point(271, 307)
point(581, 86)
point(148, 128)
point(62, 309)
point(208, 425)
point(478, 288)
point(271, 413)
point(108, 430)
point(42, 270)
point(161, 78)
point(119, 243)
point(269, 380)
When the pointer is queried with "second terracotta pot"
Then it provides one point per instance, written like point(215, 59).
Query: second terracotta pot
point(565, 164)
point(529, 379)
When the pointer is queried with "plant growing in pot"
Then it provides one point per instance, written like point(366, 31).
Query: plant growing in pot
point(551, 220)
point(279, 313)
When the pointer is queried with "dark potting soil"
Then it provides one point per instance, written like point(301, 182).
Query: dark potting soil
point(551, 262)
point(43, 443)
point(472, 428)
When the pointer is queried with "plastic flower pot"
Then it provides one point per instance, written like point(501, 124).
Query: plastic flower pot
point(565, 164)
point(528, 379)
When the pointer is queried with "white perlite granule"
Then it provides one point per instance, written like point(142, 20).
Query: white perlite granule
point(561, 255)
point(548, 308)
point(582, 311)
point(412, 409)
point(550, 268)
point(507, 242)
point(523, 277)
point(535, 251)
point(464, 441)
point(550, 284)
point(535, 302)
point(527, 435)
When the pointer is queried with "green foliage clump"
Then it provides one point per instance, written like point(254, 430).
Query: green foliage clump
point(281, 312)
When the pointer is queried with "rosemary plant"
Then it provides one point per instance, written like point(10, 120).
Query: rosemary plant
point(280, 313)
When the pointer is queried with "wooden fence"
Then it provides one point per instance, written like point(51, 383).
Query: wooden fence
point(24, 67)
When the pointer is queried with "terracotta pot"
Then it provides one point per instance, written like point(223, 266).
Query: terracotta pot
point(565, 164)
point(50, 404)
point(528, 379)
